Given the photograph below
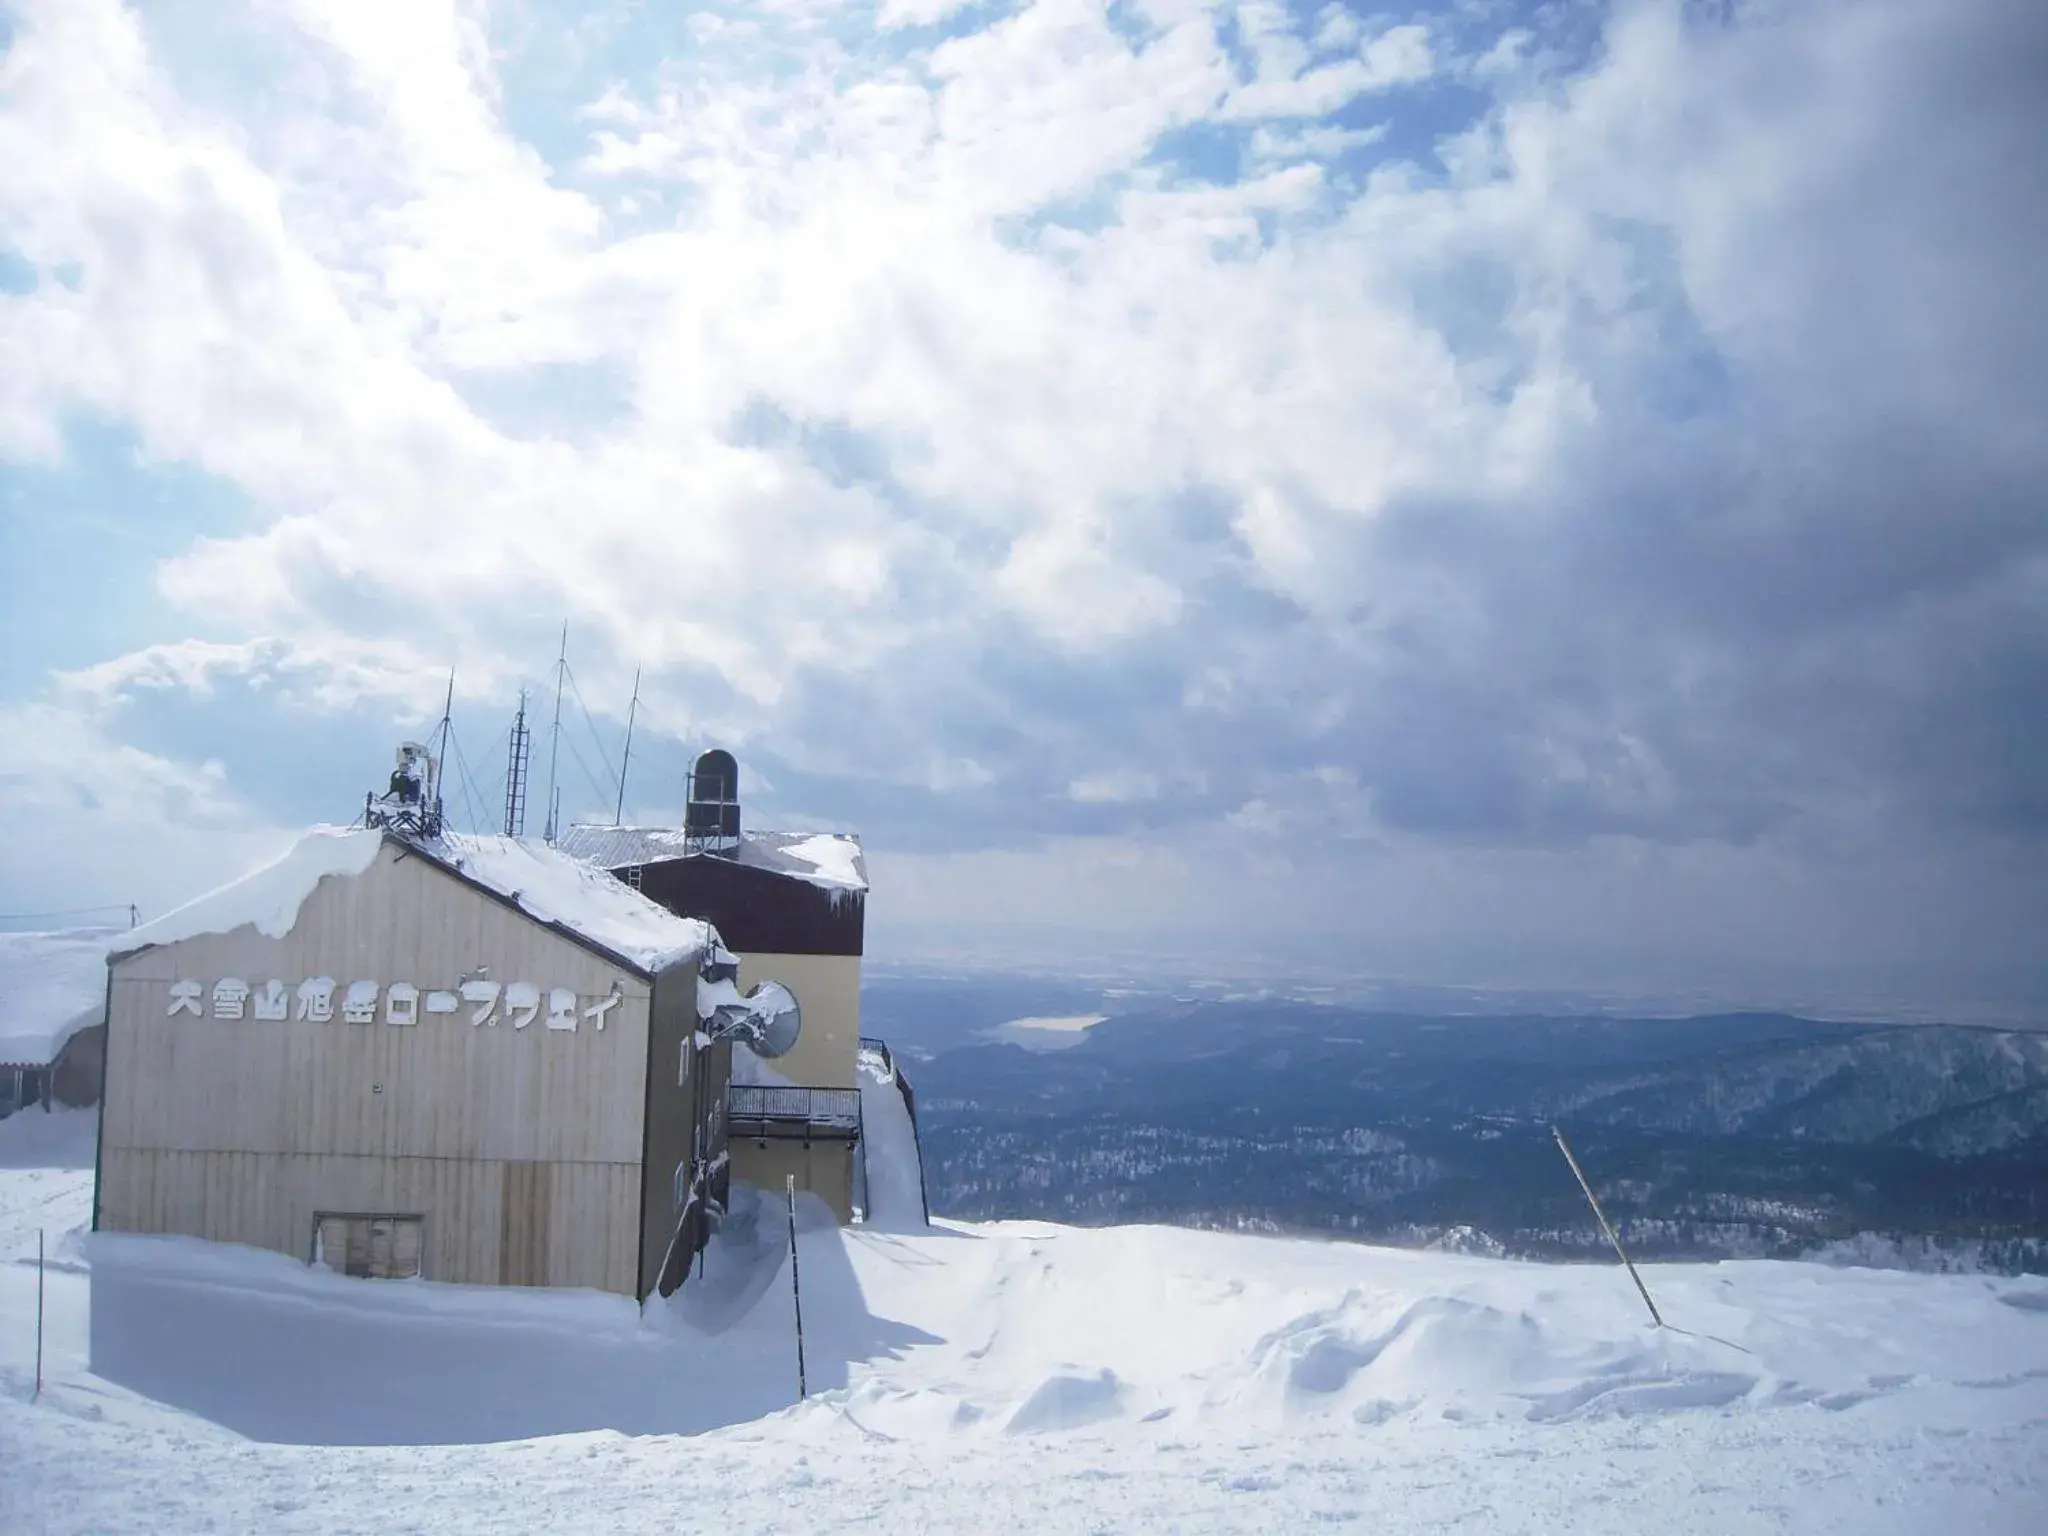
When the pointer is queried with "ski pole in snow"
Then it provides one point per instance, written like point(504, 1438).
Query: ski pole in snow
point(796, 1289)
point(1605, 1225)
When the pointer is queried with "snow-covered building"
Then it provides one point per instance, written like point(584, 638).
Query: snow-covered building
point(53, 994)
point(469, 1058)
point(792, 908)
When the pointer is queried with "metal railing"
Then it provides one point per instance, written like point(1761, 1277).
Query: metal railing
point(793, 1111)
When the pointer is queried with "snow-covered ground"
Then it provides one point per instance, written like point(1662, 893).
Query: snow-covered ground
point(1009, 1377)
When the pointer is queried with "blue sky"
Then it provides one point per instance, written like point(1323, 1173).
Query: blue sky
point(1520, 493)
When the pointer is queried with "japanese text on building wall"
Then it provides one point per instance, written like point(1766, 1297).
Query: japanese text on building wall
point(320, 999)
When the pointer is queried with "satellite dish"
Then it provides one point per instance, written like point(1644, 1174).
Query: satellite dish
point(780, 1019)
point(767, 1020)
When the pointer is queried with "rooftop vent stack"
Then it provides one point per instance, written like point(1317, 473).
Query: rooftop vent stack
point(711, 816)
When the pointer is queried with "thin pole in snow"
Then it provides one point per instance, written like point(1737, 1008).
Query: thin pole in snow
point(1606, 1225)
point(39, 1315)
point(796, 1289)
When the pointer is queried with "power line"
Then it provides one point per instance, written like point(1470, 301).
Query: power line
point(38, 917)
point(591, 726)
point(588, 777)
point(465, 782)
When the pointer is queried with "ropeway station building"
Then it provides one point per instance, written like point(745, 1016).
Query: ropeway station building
point(401, 1052)
point(466, 1058)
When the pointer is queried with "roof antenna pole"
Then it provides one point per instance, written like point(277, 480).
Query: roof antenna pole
point(433, 795)
point(555, 737)
point(626, 757)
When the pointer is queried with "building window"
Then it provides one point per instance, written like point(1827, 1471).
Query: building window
point(373, 1247)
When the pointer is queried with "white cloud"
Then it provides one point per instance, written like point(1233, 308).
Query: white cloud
point(917, 13)
point(93, 821)
point(1399, 56)
point(1117, 787)
point(300, 336)
point(327, 673)
point(1270, 143)
point(955, 403)
point(1284, 87)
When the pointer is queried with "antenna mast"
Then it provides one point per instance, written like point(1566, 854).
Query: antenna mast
point(626, 757)
point(555, 735)
point(440, 757)
point(516, 773)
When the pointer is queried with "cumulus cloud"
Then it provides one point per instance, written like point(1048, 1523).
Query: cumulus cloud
point(1059, 421)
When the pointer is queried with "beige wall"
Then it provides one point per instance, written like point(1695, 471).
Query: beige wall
point(827, 989)
point(484, 1223)
point(825, 1168)
point(521, 1148)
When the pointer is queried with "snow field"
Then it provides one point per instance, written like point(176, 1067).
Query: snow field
point(1004, 1377)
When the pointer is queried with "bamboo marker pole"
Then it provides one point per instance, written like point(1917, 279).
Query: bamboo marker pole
point(796, 1289)
point(1606, 1225)
point(39, 1315)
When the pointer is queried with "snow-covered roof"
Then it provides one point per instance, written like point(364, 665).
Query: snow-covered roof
point(546, 883)
point(52, 985)
point(267, 899)
point(832, 860)
point(555, 887)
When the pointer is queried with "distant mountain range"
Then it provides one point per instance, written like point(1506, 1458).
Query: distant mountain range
point(1731, 1134)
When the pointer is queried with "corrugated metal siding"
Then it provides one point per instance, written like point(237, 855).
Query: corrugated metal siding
point(238, 1130)
point(586, 1235)
point(524, 1214)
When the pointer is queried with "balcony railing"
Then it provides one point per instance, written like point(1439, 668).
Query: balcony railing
point(764, 1111)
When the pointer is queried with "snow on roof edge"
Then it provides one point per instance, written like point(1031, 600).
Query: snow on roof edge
point(52, 985)
point(549, 886)
point(40, 1050)
point(557, 888)
point(268, 898)
point(831, 861)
